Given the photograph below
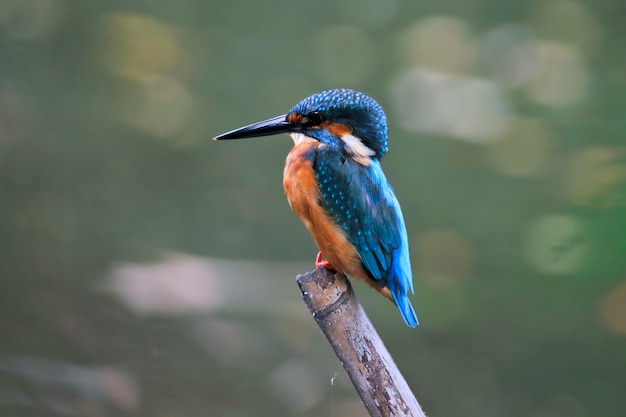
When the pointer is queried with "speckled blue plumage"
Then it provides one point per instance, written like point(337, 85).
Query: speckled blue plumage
point(362, 203)
point(358, 197)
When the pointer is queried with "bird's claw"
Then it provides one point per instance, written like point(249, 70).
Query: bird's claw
point(320, 262)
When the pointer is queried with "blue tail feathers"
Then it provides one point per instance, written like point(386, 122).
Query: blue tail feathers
point(400, 283)
point(400, 289)
point(406, 309)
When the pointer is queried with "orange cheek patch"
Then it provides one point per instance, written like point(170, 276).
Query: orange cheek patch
point(337, 129)
point(294, 118)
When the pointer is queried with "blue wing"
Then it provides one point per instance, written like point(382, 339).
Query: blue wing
point(363, 204)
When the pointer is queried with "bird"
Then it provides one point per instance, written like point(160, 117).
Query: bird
point(334, 182)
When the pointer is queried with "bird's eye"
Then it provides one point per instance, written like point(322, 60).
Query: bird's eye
point(312, 119)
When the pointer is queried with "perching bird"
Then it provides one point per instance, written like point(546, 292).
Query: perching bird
point(334, 183)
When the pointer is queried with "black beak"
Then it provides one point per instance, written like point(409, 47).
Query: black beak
point(267, 127)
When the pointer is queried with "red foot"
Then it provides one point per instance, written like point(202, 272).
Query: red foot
point(322, 263)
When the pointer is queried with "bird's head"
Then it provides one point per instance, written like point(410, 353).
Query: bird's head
point(345, 119)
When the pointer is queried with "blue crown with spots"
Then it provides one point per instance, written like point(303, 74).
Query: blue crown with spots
point(361, 113)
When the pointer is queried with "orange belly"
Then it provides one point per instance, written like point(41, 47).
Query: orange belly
point(304, 195)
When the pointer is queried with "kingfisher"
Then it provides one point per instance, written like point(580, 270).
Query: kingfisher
point(335, 184)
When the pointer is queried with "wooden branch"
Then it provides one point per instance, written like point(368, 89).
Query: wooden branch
point(360, 350)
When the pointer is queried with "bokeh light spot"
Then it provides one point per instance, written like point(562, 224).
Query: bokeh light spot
point(524, 150)
point(178, 284)
point(441, 43)
point(594, 174)
point(563, 78)
point(555, 244)
point(612, 310)
point(133, 45)
point(469, 109)
point(568, 21)
point(511, 55)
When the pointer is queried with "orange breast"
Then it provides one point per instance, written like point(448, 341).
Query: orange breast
point(304, 196)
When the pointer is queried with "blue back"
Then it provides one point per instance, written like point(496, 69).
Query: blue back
point(363, 204)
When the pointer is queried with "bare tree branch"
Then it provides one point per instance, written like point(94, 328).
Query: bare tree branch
point(360, 350)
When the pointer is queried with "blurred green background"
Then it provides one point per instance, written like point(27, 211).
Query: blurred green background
point(149, 271)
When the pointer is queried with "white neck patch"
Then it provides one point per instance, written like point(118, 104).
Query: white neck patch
point(355, 147)
point(299, 138)
point(358, 150)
